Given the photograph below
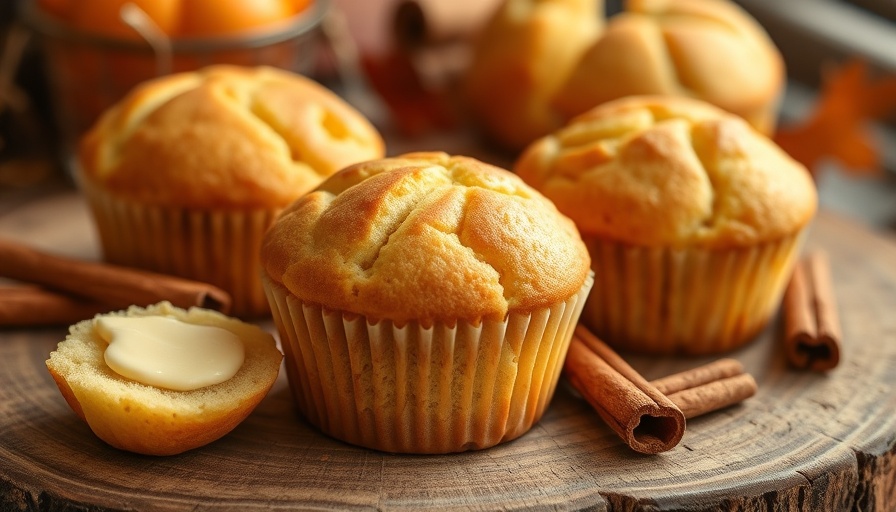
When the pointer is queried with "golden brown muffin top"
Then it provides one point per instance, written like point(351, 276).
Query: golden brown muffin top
point(670, 171)
point(428, 237)
point(225, 137)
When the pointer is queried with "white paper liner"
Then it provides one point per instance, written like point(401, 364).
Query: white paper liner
point(221, 248)
point(430, 390)
point(685, 301)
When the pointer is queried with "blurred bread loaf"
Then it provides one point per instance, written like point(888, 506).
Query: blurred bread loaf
point(186, 173)
point(521, 59)
point(706, 49)
point(710, 50)
point(693, 219)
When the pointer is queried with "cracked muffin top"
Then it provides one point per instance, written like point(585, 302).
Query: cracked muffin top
point(666, 171)
point(225, 137)
point(427, 237)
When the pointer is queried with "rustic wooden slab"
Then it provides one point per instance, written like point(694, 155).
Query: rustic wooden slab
point(805, 442)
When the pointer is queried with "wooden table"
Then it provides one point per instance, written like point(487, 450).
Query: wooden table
point(804, 442)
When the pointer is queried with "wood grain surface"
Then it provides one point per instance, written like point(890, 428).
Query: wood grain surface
point(806, 441)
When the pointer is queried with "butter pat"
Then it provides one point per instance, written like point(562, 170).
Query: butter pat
point(167, 353)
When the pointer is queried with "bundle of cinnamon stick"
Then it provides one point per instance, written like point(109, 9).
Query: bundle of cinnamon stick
point(650, 416)
point(54, 290)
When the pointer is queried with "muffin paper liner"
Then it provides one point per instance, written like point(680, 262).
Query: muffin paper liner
point(685, 301)
point(216, 247)
point(416, 389)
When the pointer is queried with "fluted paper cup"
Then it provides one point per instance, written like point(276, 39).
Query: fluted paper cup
point(216, 247)
point(417, 389)
point(658, 300)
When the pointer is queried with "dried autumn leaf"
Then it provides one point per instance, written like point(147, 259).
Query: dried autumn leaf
point(838, 127)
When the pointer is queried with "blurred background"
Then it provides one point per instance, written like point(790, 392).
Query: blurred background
point(815, 36)
point(399, 62)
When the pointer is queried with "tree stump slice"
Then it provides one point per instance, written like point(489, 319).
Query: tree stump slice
point(806, 441)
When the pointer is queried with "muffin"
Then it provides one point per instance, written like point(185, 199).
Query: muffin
point(425, 302)
point(185, 174)
point(692, 218)
point(163, 398)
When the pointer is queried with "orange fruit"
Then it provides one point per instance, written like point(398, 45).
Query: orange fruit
point(186, 18)
point(104, 16)
point(223, 17)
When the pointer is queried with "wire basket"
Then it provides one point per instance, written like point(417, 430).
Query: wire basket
point(88, 73)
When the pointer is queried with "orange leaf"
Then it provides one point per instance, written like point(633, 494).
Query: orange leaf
point(837, 127)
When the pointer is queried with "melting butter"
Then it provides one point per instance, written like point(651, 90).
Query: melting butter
point(167, 353)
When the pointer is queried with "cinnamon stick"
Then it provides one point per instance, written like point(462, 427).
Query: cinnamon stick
point(116, 287)
point(640, 414)
point(708, 388)
point(812, 327)
point(23, 306)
